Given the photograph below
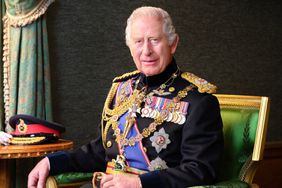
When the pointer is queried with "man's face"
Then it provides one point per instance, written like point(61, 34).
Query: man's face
point(149, 46)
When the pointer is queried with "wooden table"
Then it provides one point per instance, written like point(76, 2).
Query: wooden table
point(26, 151)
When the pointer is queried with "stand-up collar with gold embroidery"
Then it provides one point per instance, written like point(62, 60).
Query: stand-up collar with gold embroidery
point(157, 80)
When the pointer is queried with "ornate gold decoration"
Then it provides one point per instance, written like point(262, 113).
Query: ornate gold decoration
point(121, 138)
point(126, 75)
point(182, 93)
point(132, 104)
point(26, 140)
point(109, 144)
point(119, 163)
point(111, 115)
point(203, 85)
point(171, 89)
point(123, 94)
point(161, 90)
point(22, 127)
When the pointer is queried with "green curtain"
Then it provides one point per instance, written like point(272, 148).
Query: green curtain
point(25, 74)
point(26, 69)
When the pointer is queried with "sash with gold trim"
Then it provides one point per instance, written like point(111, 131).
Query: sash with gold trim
point(135, 155)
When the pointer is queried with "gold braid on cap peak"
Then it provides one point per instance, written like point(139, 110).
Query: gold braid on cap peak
point(126, 76)
point(203, 85)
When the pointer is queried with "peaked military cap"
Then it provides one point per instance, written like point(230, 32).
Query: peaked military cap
point(32, 130)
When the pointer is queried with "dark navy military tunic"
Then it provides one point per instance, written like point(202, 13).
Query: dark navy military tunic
point(192, 154)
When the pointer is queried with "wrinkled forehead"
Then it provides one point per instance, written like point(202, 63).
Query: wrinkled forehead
point(147, 20)
point(147, 24)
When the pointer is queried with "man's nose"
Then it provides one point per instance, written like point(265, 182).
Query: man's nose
point(147, 49)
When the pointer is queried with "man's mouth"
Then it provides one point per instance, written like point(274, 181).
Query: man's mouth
point(149, 61)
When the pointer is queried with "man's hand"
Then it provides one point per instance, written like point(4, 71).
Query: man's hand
point(37, 177)
point(120, 181)
point(5, 138)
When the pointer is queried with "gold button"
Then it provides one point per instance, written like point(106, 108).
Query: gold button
point(171, 89)
point(109, 144)
point(145, 149)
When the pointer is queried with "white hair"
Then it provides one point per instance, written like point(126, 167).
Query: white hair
point(168, 27)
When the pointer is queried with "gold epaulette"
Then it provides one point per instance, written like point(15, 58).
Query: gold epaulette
point(126, 76)
point(203, 85)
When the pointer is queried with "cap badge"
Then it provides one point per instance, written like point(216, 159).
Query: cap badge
point(160, 140)
point(22, 127)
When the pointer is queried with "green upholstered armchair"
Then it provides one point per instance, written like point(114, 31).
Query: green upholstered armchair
point(245, 121)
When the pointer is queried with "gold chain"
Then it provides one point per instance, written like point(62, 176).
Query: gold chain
point(111, 116)
point(121, 138)
point(161, 89)
point(123, 141)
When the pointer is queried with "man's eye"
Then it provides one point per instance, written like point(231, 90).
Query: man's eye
point(154, 41)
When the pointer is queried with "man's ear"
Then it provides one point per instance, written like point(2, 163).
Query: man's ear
point(174, 44)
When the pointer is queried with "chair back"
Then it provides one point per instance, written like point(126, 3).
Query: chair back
point(245, 121)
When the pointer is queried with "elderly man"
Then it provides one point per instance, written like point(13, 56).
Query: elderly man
point(160, 127)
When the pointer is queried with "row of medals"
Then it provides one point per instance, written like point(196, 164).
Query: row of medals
point(168, 115)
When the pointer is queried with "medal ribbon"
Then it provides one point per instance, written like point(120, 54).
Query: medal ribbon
point(160, 103)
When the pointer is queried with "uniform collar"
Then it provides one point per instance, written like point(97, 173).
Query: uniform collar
point(159, 79)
